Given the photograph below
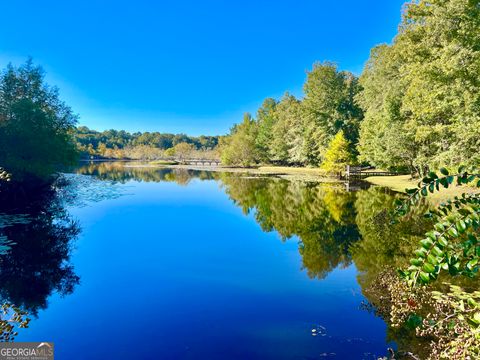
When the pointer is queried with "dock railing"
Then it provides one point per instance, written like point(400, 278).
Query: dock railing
point(359, 172)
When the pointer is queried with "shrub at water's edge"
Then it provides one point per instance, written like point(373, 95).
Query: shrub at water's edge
point(35, 128)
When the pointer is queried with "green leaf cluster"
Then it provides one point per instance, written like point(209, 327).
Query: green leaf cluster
point(420, 94)
point(12, 318)
point(453, 244)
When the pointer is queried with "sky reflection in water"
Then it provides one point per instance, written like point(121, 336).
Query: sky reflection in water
point(199, 265)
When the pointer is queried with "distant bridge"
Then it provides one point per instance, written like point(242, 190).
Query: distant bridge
point(200, 162)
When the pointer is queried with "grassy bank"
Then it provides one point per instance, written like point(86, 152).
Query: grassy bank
point(401, 182)
point(396, 183)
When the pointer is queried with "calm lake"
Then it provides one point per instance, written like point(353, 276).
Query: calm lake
point(132, 262)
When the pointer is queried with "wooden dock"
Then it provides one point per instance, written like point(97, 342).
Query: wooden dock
point(358, 172)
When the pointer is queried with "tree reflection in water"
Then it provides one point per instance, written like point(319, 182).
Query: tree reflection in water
point(322, 216)
point(333, 226)
point(37, 262)
point(36, 239)
point(124, 172)
point(336, 228)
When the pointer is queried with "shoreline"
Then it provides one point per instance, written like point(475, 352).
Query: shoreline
point(287, 172)
point(290, 173)
point(397, 183)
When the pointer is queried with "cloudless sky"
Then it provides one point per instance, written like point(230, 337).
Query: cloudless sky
point(187, 66)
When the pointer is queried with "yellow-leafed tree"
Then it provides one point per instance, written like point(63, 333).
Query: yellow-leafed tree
point(338, 155)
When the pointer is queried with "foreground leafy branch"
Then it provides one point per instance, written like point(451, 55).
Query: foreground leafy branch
point(434, 183)
point(12, 318)
point(452, 245)
point(451, 319)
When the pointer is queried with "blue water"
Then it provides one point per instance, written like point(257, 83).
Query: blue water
point(179, 271)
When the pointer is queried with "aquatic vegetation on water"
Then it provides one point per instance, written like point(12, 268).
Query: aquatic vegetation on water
point(80, 190)
point(446, 322)
point(9, 220)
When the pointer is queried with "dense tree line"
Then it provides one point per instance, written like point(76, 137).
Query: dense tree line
point(291, 131)
point(421, 94)
point(415, 107)
point(138, 145)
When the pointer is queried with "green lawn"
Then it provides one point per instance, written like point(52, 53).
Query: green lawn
point(401, 182)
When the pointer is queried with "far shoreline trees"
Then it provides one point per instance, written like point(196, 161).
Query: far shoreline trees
point(120, 144)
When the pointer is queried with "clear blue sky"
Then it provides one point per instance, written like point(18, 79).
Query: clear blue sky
point(187, 66)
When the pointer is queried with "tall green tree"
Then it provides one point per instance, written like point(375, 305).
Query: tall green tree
point(424, 88)
point(239, 148)
point(283, 134)
point(351, 112)
point(329, 106)
point(35, 125)
point(266, 120)
point(383, 140)
point(295, 133)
